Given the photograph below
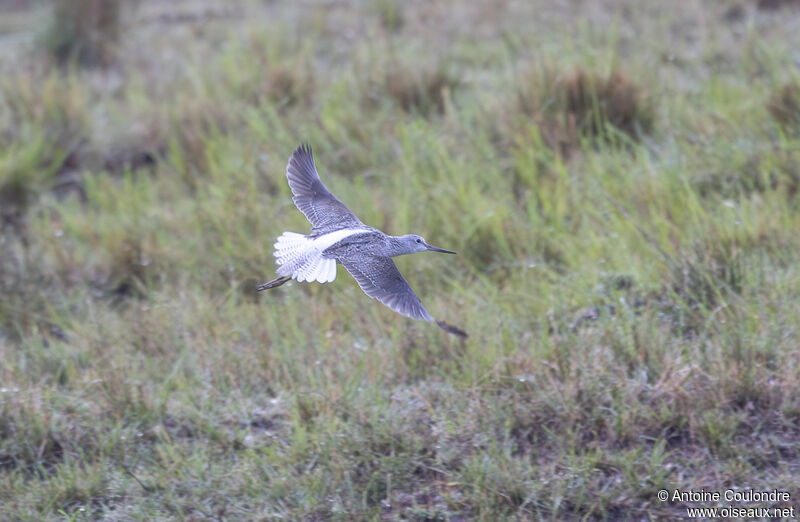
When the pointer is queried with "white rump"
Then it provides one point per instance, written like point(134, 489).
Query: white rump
point(301, 256)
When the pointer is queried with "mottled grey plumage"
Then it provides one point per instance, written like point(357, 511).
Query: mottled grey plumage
point(337, 234)
point(324, 210)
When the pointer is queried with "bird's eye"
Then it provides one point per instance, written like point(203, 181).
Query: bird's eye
point(419, 240)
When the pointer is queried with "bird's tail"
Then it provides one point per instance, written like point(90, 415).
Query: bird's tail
point(291, 248)
point(300, 258)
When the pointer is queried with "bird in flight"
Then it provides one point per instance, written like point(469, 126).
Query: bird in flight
point(338, 236)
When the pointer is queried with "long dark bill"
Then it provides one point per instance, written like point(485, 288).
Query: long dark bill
point(274, 283)
point(442, 250)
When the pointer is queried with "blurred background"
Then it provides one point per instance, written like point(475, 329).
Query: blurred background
point(619, 179)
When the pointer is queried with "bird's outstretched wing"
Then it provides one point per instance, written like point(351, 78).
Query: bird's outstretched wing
point(380, 279)
point(313, 198)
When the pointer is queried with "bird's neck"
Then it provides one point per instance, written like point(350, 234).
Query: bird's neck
point(395, 247)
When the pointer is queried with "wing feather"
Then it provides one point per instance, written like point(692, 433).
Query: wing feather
point(380, 279)
point(312, 197)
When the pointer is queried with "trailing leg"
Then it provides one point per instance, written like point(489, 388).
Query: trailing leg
point(274, 283)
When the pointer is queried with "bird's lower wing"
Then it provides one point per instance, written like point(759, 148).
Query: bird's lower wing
point(380, 279)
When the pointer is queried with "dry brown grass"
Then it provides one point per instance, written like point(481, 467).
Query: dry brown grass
point(130, 269)
point(581, 104)
point(288, 85)
point(769, 5)
point(784, 106)
point(423, 89)
point(593, 101)
point(85, 31)
point(390, 14)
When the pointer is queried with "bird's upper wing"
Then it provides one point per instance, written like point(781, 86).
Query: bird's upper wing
point(311, 197)
point(380, 279)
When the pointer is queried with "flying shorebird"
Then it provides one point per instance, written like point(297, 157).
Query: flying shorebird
point(338, 236)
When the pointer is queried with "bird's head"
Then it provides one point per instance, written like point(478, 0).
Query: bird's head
point(417, 243)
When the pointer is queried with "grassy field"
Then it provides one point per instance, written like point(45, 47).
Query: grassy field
point(619, 178)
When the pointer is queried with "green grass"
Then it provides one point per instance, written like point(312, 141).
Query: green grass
point(623, 201)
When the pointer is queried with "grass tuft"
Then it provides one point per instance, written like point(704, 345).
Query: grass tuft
point(130, 269)
point(594, 102)
point(43, 130)
point(707, 278)
point(784, 106)
point(570, 107)
point(772, 5)
point(773, 170)
point(25, 286)
point(390, 14)
point(424, 89)
point(288, 85)
point(85, 32)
